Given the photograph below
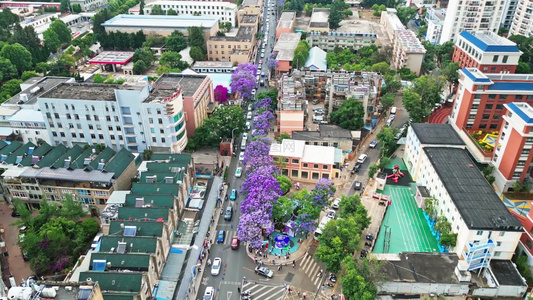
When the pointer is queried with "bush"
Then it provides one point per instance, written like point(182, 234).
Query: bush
point(99, 78)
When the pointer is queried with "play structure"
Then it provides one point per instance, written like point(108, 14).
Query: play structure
point(490, 140)
point(396, 173)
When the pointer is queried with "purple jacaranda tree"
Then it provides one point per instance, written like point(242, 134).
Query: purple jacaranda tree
point(272, 62)
point(243, 79)
point(303, 224)
point(221, 94)
point(281, 3)
point(255, 149)
point(323, 190)
point(263, 104)
point(250, 228)
point(262, 121)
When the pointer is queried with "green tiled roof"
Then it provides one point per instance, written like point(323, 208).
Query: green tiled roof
point(149, 228)
point(52, 156)
point(177, 158)
point(119, 162)
point(140, 213)
point(115, 281)
point(164, 167)
point(155, 188)
point(106, 155)
point(73, 152)
point(2, 144)
point(10, 148)
point(134, 262)
point(78, 162)
point(140, 244)
point(19, 152)
point(40, 151)
point(161, 176)
point(152, 200)
point(119, 296)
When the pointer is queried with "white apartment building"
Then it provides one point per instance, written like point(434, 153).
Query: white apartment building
point(391, 22)
point(327, 41)
point(485, 228)
point(227, 12)
point(471, 15)
point(509, 13)
point(407, 51)
point(522, 23)
point(89, 5)
point(30, 125)
point(435, 21)
point(134, 116)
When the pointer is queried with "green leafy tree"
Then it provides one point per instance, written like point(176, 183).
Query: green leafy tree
point(9, 89)
point(339, 239)
point(173, 60)
point(413, 104)
point(176, 42)
point(282, 136)
point(283, 210)
point(392, 84)
point(430, 207)
point(18, 56)
point(63, 31)
point(349, 115)
point(196, 39)
point(272, 94)
point(372, 170)
point(347, 12)
point(28, 74)
point(76, 8)
point(387, 101)
point(196, 53)
point(351, 206)
point(301, 53)
point(406, 14)
point(8, 18)
point(145, 55)
point(450, 71)
point(27, 37)
point(139, 67)
point(42, 67)
point(381, 67)
point(51, 40)
point(64, 5)
point(383, 162)
point(429, 89)
point(386, 138)
point(359, 281)
point(172, 12)
point(335, 14)
point(285, 183)
point(141, 7)
point(523, 68)
point(7, 70)
point(157, 10)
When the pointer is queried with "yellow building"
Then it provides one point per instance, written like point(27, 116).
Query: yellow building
point(238, 48)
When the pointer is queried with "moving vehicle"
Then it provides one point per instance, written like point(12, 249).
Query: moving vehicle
point(238, 172)
point(373, 144)
point(335, 203)
point(263, 271)
point(229, 213)
point(248, 125)
point(241, 156)
point(233, 194)
point(398, 136)
point(245, 135)
point(321, 226)
point(318, 119)
point(315, 102)
point(215, 267)
point(393, 110)
point(209, 293)
point(221, 236)
point(235, 243)
point(249, 116)
point(356, 167)
point(262, 81)
point(357, 185)
point(262, 74)
point(362, 158)
point(243, 144)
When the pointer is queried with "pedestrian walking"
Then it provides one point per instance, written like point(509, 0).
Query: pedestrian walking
point(304, 295)
point(239, 290)
point(244, 279)
point(279, 268)
point(298, 294)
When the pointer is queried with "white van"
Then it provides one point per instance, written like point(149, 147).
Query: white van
point(243, 144)
point(393, 110)
point(321, 226)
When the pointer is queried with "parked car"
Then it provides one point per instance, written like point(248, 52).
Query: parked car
point(331, 214)
point(15, 214)
point(316, 101)
point(315, 109)
point(263, 271)
point(248, 125)
point(233, 194)
point(235, 243)
point(249, 116)
point(221, 236)
point(398, 136)
point(356, 167)
point(215, 267)
point(238, 172)
point(335, 203)
point(369, 237)
point(209, 293)
point(362, 158)
point(229, 213)
point(241, 156)
point(373, 144)
point(357, 185)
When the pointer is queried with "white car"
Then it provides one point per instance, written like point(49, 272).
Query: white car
point(332, 214)
point(362, 158)
point(238, 172)
point(241, 156)
point(209, 293)
point(215, 267)
point(248, 125)
point(245, 135)
point(335, 203)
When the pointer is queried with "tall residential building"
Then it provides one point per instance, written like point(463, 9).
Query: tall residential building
point(407, 51)
point(523, 19)
point(513, 156)
point(227, 12)
point(486, 51)
point(435, 21)
point(509, 13)
point(471, 15)
point(132, 116)
point(238, 48)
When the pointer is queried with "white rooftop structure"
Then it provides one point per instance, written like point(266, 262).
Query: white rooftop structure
point(410, 43)
point(393, 19)
point(288, 148)
point(286, 44)
point(27, 115)
point(151, 21)
point(307, 153)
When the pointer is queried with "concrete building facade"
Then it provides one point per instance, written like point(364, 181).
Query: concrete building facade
point(238, 48)
point(407, 51)
point(327, 41)
point(522, 22)
point(286, 23)
point(471, 15)
point(225, 11)
point(319, 20)
point(509, 13)
point(487, 52)
point(435, 21)
point(284, 49)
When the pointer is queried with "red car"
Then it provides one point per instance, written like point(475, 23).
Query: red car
point(235, 243)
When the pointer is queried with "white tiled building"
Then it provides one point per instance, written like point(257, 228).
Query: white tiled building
point(30, 124)
point(225, 10)
point(523, 19)
point(435, 21)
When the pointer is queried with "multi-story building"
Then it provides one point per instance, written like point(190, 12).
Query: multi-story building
point(89, 5)
point(238, 48)
point(162, 25)
point(471, 15)
point(523, 20)
point(319, 20)
point(286, 23)
point(291, 106)
point(435, 21)
point(131, 116)
point(328, 41)
point(41, 172)
point(207, 66)
point(225, 11)
point(34, 5)
point(391, 22)
point(327, 136)
point(509, 13)
point(249, 7)
point(486, 51)
point(407, 51)
point(480, 99)
point(307, 163)
point(30, 125)
point(513, 155)
point(284, 50)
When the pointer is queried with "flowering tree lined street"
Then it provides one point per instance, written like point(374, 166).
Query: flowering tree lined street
point(243, 80)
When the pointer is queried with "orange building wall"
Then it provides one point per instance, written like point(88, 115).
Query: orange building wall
point(511, 155)
point(464, 110)
point(284, 66)
point(281, 30)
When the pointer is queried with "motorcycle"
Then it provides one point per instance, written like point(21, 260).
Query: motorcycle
point(368, 244)
point(333, 278)
point(246, 294)
point(330, 284)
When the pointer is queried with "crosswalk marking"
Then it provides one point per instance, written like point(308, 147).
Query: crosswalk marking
point(311, 268)
point(264, 291)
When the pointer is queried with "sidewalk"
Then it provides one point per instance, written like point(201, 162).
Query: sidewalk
point(272, 260)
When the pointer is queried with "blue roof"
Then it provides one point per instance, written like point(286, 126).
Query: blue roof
point(512, 106)
point(316, 59)
point(484, 46)
point(473, 77)
point(511, 86)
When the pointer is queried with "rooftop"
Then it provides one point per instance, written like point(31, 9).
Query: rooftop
point(476, 201)
point(249, 19)
point(286, 44)
point(115, 281)
point(155, 188)
point(287, 19)
point(112, 58)
point(488, 41)
point(83, 91)
point(39, 86)
point(506, 272)
point(168, 84)
point(174, 158)
point(151, 21)
point(475, 75)
point(523, 110)
point(436, 15)
point(245, 33)
point(143, 213)
point(288, 148)
point(316, 59)
point(134, 244)
point(250, 2)
point(319, 18)
point(212, 64)
point(319, 155)
point(27, 115)
point(227, 5)
point(144, 228)
point(420, 267)
point(393, 19)
point(115, 261)
point(410, 43)
point(436, 134)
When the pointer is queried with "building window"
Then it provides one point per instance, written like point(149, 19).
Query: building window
point(316, 175)
point(492, 96)
point(485, 116)
point(488, 106)
point(528, 244)
point(295, 161)
point(479, 232)
point(495, 58)
point(294, 173)
point(305, 175)
point(315, 166)
point(505, 57)
point(305, 165)
point(498, 244)
point(325, 167)
point(497, 253)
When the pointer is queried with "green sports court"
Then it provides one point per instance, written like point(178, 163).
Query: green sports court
point(404, 228)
